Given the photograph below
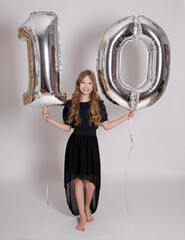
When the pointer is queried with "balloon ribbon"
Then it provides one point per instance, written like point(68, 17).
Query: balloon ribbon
point(47, 186)
point(127, 163)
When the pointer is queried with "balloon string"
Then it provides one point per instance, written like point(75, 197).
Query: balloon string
point(127, 163)
point(47, 186)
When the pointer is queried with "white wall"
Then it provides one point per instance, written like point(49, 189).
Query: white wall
point(158, 131)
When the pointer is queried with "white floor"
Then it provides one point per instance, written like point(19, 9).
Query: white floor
point(156, 210)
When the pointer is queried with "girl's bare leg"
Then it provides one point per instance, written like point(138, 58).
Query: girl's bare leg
point(90, 187)
point(79, 185)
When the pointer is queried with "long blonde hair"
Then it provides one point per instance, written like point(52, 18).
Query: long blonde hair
point(94, 108)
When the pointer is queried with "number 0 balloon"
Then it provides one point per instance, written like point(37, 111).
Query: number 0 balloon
point(109, 62)
point(42, 36)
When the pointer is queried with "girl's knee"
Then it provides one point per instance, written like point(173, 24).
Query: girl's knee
point(79, 182)
point(89, 185)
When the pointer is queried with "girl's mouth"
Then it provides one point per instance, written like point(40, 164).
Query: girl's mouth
point(86, 90)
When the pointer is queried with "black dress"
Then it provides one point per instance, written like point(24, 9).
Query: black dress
point(82, 157)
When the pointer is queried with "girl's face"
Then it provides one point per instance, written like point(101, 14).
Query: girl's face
point(86, 86)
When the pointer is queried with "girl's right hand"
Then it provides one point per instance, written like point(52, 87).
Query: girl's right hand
point(45, 113)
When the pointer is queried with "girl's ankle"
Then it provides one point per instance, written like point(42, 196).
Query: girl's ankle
point(83, 215)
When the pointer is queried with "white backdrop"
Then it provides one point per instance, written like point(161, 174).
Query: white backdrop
point(158, 131)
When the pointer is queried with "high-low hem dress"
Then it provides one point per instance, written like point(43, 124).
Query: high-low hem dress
point(82, 156)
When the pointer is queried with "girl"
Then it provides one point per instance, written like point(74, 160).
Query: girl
point(84, 112)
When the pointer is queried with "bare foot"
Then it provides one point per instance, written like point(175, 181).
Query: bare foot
point(89, 217)
point(81, 224)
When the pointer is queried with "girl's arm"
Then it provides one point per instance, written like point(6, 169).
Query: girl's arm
point(57, 124)
point(111, 124)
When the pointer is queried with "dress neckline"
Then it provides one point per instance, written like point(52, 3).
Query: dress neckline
point(85, 102)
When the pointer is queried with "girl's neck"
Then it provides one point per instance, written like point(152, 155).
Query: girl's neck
point(84, 98)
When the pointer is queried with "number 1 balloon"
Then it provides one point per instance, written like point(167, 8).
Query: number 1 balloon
point(42, 36)
point(109, 62)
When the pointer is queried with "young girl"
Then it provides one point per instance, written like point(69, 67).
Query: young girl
point(82, 174)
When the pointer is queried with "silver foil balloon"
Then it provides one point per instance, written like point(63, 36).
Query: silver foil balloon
point(109, 62)
point(42, 35)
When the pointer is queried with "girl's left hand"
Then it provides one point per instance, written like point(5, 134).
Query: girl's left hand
point(129, 114)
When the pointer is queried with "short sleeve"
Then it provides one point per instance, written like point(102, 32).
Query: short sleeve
point(66, 111)
point(104, 115)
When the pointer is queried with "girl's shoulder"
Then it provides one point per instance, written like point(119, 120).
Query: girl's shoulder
point(101, 102)
point(102, 105)
point(68, 103)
